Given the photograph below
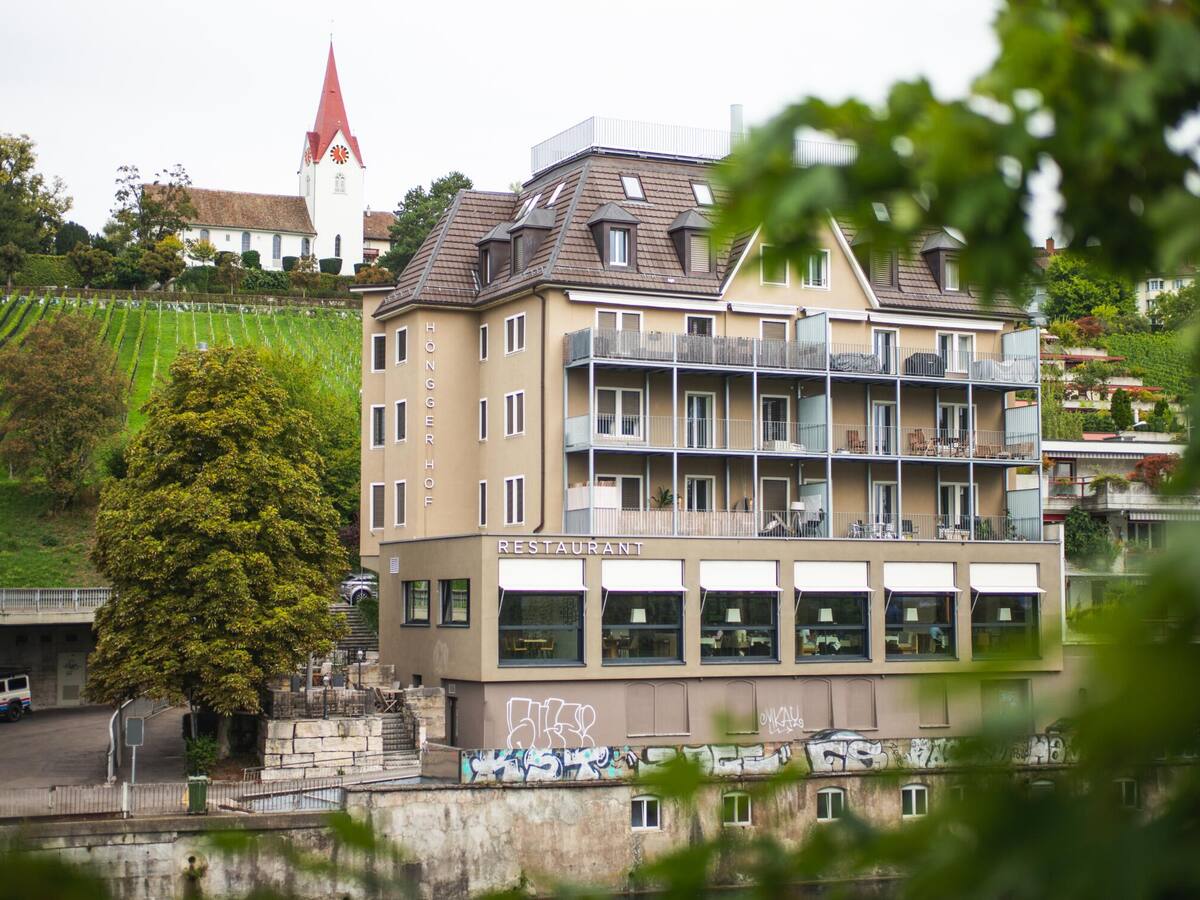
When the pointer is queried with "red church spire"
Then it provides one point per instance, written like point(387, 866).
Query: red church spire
point(331, 115)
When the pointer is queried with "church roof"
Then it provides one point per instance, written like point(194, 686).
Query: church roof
point(377, 225)
point(331, 115)
point(248, 212)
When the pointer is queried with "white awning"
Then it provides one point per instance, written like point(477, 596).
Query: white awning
point(920, 578)
point(542, 575)
point(738, 575)
point(1005, 578)
point(642, 575)
point(825, 576)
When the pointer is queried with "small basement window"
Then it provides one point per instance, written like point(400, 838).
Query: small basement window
point(735, 810)
point(633, 187)
point(644, 813)
point(914, 801)
point(831, 803)
point(703, 193)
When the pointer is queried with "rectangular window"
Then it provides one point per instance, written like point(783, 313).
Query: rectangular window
point(416, 603)
point(831, 626)
point(19, 683)
point(401, 345)
point(1004, 625)
point(619, 413)
point(816, 273)
point(483, 511)
point(882, 267)
point(378, 352)
point(456, 601)
point(377, 501)
point(401, 420)
point(831, 803)
point(618, 246)
point(633, 187)
point(618, 320)
point(518, 254)
point(956, 350)
point(486, 266)
point(1154, 284)
point(950, 274)
point(738, 626)
point(483, 343)
point(703, 193)
point(773, 266)
point(514, 333)
point(483, 419)
point(914, 801)
point(643, 813)
point(514, 413)
point(701, 261)
point(735, 810)
point(919, 625)
point(378, 426)
point(541, 628)
point(640, 628)
point(514, 500)
point(401, 505)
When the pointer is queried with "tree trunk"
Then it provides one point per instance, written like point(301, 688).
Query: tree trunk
point(223, 724)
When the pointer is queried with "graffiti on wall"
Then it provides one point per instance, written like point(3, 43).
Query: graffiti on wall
point(616, 763)
point(545, 724)
point(781, 720)
point(591, 763)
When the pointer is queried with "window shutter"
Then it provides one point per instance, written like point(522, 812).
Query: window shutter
point(881, 267)
point(700, 260)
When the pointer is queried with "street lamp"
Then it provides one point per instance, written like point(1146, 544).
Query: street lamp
point(325, 697)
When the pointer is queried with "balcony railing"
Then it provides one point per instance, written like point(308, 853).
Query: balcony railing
point(790, 524)
point(1134, 496)
point(933, 443)
point(53, 600)
point(807, 356)
point(695, 434)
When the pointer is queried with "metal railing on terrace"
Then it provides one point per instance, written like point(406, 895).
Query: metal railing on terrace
point(60, 600)
point(695, 434)
point(933, 443)
point(786, 523)
point(796, 356)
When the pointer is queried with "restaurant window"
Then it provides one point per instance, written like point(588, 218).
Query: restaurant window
point(735, 809)
point(640, 628)
point(456, 601)
point(738, 626)
point(831, 804)
point(831, 625)
point(914, 801)
point(920, 625)
point(416, 603)
point(1004, 625)
point(541, 628)
point(644, 813)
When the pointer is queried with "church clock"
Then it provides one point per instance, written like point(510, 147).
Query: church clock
point(339, 154)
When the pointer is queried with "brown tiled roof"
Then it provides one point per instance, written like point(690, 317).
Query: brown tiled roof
point(917, 289)
point(235, 209)
point(376, 225)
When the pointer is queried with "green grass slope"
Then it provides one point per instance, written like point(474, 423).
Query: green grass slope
point(42, 550)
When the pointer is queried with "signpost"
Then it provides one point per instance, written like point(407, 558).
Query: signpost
point(135, 733)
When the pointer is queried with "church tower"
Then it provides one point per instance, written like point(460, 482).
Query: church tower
point(331, 177)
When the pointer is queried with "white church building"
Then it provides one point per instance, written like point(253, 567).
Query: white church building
point(325, 218)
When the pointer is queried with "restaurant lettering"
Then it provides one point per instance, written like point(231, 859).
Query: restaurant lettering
point(430, 404)
point(569, 548)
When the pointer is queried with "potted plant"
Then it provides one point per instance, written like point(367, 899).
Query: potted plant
point(662, 498)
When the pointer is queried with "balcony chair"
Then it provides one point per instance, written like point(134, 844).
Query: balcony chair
point(918, 444)
point(854, 443)
point(908, 530)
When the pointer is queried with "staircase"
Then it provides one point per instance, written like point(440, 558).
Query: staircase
point(400, 741)
point(360, 636)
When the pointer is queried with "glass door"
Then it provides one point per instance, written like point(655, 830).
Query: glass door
point(699, 427)
point(883, 515)
point(619, 413)
point(883, 428)
point(698, 494)
point(774, 504)
point(954, 506)
point(774, 418)
point(884, 346)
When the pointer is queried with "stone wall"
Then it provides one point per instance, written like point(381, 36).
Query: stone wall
point(319, 748)
point(428, 706)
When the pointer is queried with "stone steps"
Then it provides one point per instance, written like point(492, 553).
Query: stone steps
point(360, 635)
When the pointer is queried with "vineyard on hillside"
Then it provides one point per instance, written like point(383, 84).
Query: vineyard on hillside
point(147, 334)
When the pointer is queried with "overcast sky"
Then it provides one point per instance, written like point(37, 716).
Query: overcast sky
point(229, 89)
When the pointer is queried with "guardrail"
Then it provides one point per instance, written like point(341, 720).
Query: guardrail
point(53, 599)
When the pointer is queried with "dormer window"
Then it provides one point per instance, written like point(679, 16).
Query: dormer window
point(703, 193)
point(950, 274)
point(485, 266)
point(527, 234)
point(689, 234)
point(618, 247)
point(615, 232)
point(633, 187)
point(699, 256)
point(493, 253)
point(518, 254)
point(883, 267)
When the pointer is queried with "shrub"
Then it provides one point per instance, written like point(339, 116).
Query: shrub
point(1121, 410)
point(1066, 331)
point(201, 754)
point(224, 256)
point(261, 280)
point(358, 267)
point(1116, 483)
point(1155, 470)
point(1086, 541)
point(45, 270)
point(331, 265)
point(201, 279)
point(289, 263)
point(373, 275)
point(1097, 421)
point(252, 259)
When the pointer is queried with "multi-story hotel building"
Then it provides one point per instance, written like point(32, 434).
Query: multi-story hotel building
point(622, 485)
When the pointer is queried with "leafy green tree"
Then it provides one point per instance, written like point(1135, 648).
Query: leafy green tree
point(229, 271)
point(1076, 287)
point(418, 213)
point(1177, 309)
point(69, 236)
point(127, 268)
point(219, 542)
point(147, 213)
point(304, 275)
point(12, 258)
point(164, 261)
point(91, 263)
point(1058, 423)
point(63, 399)
point(1121, 409)
point(31, 207)
point(1162, 418)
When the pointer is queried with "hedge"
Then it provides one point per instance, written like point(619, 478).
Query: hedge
point(47, 270)
point(252, 259)
point(261, 280)
point(289, 263)
point(331, 265)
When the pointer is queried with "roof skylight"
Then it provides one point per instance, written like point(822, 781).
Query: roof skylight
point(703, 193)
point(554, 196)
point(633, 187)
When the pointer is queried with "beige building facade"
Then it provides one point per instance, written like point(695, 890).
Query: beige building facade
point(619, 483)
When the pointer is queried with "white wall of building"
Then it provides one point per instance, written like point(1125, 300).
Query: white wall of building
point(230, 239)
